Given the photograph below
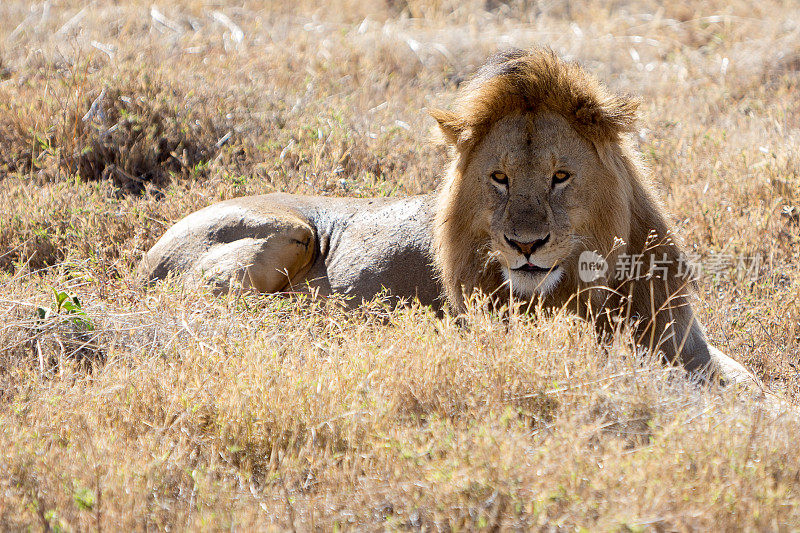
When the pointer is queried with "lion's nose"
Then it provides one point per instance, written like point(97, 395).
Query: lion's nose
point(528, 248)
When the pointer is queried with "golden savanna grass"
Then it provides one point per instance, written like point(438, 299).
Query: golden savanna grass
point(161, 408)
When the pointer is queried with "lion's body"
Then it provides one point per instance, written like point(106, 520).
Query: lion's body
point(541, 172)
point(282, 242)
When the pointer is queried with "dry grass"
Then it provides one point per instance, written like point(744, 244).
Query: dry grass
point(162, 409)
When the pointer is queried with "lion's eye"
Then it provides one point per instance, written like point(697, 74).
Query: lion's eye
point(560, 176)
point(500, 177)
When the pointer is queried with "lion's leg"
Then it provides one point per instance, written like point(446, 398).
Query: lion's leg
point(702, 358)
point(271, 262)
point(674, 330)
point(728, 369)
point(256, 243)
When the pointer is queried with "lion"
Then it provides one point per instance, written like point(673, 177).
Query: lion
point(541, 172)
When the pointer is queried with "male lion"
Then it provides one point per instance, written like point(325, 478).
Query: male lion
point(541, 171)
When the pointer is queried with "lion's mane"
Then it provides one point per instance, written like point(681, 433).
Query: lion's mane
point(521, 81)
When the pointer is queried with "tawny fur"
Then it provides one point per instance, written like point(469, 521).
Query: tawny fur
point(528, 100)
point(625, 214)
point(531, 80)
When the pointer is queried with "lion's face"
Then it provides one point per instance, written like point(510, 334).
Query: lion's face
point(539, 181)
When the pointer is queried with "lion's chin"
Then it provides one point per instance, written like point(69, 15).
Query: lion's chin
point(526, 284)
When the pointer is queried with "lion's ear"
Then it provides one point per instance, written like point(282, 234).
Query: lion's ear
point(621, 111)
point(607, 118)
point(450, 126)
